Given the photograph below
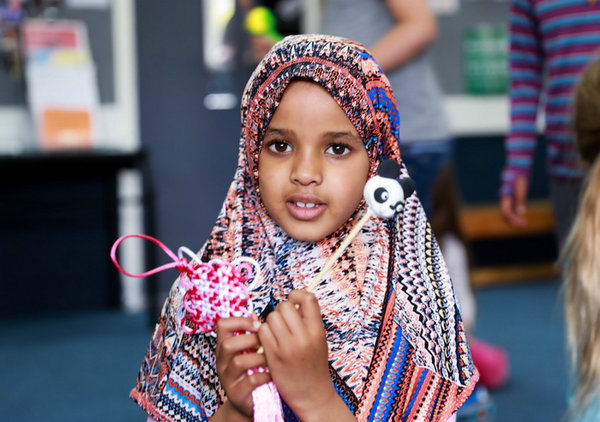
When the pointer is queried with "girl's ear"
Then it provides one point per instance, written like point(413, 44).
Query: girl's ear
point(389, 169)
point(408, 186)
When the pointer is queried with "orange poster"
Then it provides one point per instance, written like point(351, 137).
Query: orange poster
point(66, 129)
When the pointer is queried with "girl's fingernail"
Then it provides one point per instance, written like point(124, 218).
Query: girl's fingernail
point(256, 325)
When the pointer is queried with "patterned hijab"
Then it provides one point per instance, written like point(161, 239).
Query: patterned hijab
point(385, 251)
point(399, 255)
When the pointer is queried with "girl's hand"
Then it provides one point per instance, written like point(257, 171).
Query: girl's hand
point(295, 345)
point(235, 355)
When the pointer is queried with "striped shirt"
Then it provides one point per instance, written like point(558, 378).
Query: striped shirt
point(551, 41)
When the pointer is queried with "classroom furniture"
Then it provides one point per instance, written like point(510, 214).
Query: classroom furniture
point(58, 219)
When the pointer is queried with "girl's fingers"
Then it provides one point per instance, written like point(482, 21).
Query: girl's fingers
point(229, 342)
point(226, 327)
point(250, 382)
point(292, 317)
point(266, 338)
point(307, 303)
point(248, 361)
point(239, 390)
point(292, 320)
point(245, 364)
point(277, 323)
point(237, 366)
point(239, 343)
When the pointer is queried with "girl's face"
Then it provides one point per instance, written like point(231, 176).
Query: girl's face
point(312, 166)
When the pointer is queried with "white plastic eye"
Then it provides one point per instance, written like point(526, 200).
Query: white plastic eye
point(381, 195)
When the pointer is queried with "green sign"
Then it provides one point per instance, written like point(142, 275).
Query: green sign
point(485, 60)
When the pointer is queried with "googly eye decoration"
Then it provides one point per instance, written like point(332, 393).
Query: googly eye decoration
point(384, 194)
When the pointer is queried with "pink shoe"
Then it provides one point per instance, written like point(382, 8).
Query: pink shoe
point(492, 363)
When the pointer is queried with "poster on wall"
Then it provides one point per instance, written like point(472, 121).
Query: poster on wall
point(62, 88)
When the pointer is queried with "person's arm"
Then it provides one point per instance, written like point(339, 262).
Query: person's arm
point(415, 30)
point(295, 345)
point(526, 73)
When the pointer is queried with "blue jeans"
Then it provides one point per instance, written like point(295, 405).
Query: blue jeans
point(424, 160)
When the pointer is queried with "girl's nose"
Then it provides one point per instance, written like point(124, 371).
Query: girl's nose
point(306, 170)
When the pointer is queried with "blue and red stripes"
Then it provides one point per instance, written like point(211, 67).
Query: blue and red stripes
point(552, 39)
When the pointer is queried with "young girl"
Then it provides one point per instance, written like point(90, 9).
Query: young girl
point(381, 337)
point(580, 257)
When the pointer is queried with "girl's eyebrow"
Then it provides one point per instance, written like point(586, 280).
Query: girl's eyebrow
point(344, 135)
point(271, 130)
point(349, 136)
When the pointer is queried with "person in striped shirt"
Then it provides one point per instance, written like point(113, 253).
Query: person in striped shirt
point(551, 41)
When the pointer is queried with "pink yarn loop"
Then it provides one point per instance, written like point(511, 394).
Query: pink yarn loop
point(181, 264)
point(213, 290)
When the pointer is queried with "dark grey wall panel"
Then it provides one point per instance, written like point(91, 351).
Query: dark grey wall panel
point(192, 150)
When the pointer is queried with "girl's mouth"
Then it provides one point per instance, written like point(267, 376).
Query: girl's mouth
point(305, 210)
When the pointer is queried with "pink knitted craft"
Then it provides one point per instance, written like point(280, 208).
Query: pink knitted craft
point(213, 290)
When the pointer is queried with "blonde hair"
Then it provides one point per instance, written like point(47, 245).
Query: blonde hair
point(580, 256)
point(582, 301)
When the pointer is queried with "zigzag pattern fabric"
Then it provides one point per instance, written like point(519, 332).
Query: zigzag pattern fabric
point(397, 346)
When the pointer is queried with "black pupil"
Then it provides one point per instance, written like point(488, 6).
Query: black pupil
point(381, 195)
point(338, 149)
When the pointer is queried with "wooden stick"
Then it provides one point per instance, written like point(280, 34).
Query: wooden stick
point(333, 258)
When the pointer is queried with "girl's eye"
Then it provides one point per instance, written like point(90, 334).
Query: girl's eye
point(279, 146)
point(338, 149)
